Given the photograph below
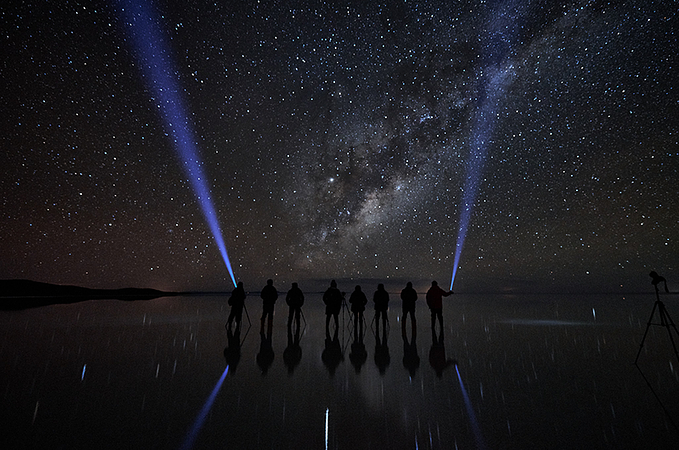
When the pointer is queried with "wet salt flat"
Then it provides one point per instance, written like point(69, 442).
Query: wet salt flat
point(526, 371)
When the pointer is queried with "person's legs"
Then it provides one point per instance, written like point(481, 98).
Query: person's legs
point(270, 314)
point(267, 312)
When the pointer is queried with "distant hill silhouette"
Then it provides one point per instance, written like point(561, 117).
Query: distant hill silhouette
point(21, 294)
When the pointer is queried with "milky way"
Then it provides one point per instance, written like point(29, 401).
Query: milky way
point(336, 141)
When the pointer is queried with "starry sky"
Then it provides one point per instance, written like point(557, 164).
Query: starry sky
point(344, 140)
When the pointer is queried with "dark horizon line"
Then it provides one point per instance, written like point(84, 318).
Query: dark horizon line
point(29, 289)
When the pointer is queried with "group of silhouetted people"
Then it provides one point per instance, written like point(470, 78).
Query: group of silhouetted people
point(334, 300)
point(269, 295)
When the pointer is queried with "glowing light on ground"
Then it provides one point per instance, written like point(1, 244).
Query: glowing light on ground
point(327, 413)
point(153, 55)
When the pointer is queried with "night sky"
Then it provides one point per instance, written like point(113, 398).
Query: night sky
point(338, 140)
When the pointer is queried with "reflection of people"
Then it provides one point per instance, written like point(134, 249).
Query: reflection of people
point(237, 302)
point(656, 280)
point(411, 360)
point(332, 354)
point(382, 357)
point(292, 354)
point(435, 302)
point(295, 300)
point(409, 297)
point(333, 304)
point(381, 300)
point(359, 354)
point(437, 356)
point(358, 301)
point(269, 295)
point(232, 351)
point(266, 355)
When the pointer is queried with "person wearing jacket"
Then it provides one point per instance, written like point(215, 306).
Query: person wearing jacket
point(435, 302)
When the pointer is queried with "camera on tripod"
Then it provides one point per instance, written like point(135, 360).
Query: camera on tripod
point(664, 319)
point(656, 280)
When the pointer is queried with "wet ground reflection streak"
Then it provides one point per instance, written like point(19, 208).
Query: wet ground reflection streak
point(202, 415)
point(470, 411)
point(327, 412)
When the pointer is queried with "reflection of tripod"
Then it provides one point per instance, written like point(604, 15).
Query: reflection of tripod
point(665, 321)
point(345, 308)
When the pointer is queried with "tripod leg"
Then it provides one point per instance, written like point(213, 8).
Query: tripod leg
point(648, 326)
point(667, 322)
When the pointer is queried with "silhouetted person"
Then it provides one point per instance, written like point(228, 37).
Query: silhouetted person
point(237, 302)
point(411, 360)
point(382, 357)
point(266, 355)
point(333, 304)
point(292, 354)
point(409, 297)
point(359, 354)
point(656, 280)
point(269, 296)
point(294, 300)
point(435, 302)
point(332, 354)
point(437, 356)
point(358, 301)
point(232, 351)
point(381, 300)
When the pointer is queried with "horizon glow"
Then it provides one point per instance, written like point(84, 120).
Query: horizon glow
point(154, 56)
point(493, 80)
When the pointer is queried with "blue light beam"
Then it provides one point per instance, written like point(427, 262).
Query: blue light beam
point(192, 435)
point(154, 58)
point(494, 77)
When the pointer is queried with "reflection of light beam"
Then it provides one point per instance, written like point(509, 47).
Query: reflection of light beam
point(470, 411)
point(494, 78)
point(202, 415)
point(153, 56)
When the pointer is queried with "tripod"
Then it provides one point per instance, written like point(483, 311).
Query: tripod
point(665, 321)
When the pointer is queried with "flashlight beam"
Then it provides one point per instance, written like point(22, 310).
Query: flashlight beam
point(154, 57)
point(494, 79)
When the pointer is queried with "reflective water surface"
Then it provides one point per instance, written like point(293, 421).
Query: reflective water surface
point(532, 371)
